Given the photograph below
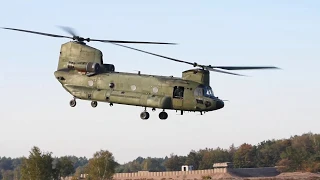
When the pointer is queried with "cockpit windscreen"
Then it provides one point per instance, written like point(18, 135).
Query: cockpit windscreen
point(204, 91)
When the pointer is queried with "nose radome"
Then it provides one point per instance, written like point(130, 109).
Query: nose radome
point(219, 104)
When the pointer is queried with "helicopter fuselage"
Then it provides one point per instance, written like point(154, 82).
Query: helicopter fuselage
point(163, 92)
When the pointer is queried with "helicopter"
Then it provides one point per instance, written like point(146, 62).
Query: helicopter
point(83, 73)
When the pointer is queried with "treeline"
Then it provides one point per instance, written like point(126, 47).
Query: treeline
point(11, 167)
point(42, 166)
point(298, 153)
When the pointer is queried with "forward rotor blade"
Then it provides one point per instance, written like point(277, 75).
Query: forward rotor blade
point(132, 42)
point(211, 68)
point(216, 70)
point(177, 60)
point(244, 67)
point(35, 32)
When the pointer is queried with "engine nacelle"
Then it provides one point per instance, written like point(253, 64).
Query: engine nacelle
point(197, 75)
point(90, 67)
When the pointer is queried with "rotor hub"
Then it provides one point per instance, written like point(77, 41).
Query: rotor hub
point(80, 39)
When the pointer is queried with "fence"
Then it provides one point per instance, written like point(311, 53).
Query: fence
point(163, 174)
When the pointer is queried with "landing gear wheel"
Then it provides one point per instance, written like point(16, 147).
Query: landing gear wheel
point(163, 115)
point(94, 104)
point(73, 103)
point(144, 115)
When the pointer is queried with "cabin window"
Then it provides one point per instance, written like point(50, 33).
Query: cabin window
point(178, 92)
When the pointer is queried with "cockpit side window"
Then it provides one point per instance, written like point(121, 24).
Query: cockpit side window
point(198, 91)
point(205, 91)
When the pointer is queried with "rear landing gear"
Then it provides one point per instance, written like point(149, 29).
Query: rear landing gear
point(163, 115)
point(94, 104)
point(73, 103)
point(144, 115)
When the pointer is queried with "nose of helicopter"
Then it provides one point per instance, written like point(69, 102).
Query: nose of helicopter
point(219, 104)
point(214, 104)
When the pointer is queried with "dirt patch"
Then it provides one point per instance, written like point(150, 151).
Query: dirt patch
point(296, 175)
point(289, 176)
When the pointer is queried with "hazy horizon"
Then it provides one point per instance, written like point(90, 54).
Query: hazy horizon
point(270, 104)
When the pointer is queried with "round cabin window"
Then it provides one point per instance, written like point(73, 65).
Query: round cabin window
point(90, 83)
point(133, 87)
point(155, 89)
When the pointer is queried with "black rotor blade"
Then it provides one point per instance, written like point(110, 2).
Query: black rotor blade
point(177, 60)
point(69, 30)
point(216, 70)
point(35, 32)
point(211, 68)
point(133, 42)
point(75, 36)
point(244, 67)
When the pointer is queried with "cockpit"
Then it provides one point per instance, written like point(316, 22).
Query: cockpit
point(211, 102)
point(205, 91)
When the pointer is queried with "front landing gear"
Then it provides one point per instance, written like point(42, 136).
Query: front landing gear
point(144, 115)
point(94, 104)
point(73, 103)
point(163, 115)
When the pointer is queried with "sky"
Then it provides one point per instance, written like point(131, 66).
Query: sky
point(269, 104)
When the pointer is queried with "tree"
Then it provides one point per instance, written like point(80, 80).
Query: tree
point(174, 163)
point(210, 156)
point(232, 150)
point(193, 159)
point(17, 173)
point(101, 166)
point(244, 156)
point(6, 163)
point(63, 167)
point(207, 158)
point(7, 174)
point(80, 170)
point(38, 166)
point(152, 165)
point(77, 162)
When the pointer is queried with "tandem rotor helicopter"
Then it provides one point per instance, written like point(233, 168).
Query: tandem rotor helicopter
point(83, 73)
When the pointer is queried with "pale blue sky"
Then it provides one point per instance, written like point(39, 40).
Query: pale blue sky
point(269, 104)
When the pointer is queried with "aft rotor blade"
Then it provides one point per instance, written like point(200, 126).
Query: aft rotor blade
point(132, 42)
point(177, 60)
point(76, 37)
point(69, 30)
point(244, 67)
point(35, 32)
point(216, 70)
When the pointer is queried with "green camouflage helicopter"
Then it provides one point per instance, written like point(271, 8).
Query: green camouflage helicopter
point(83, 73)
